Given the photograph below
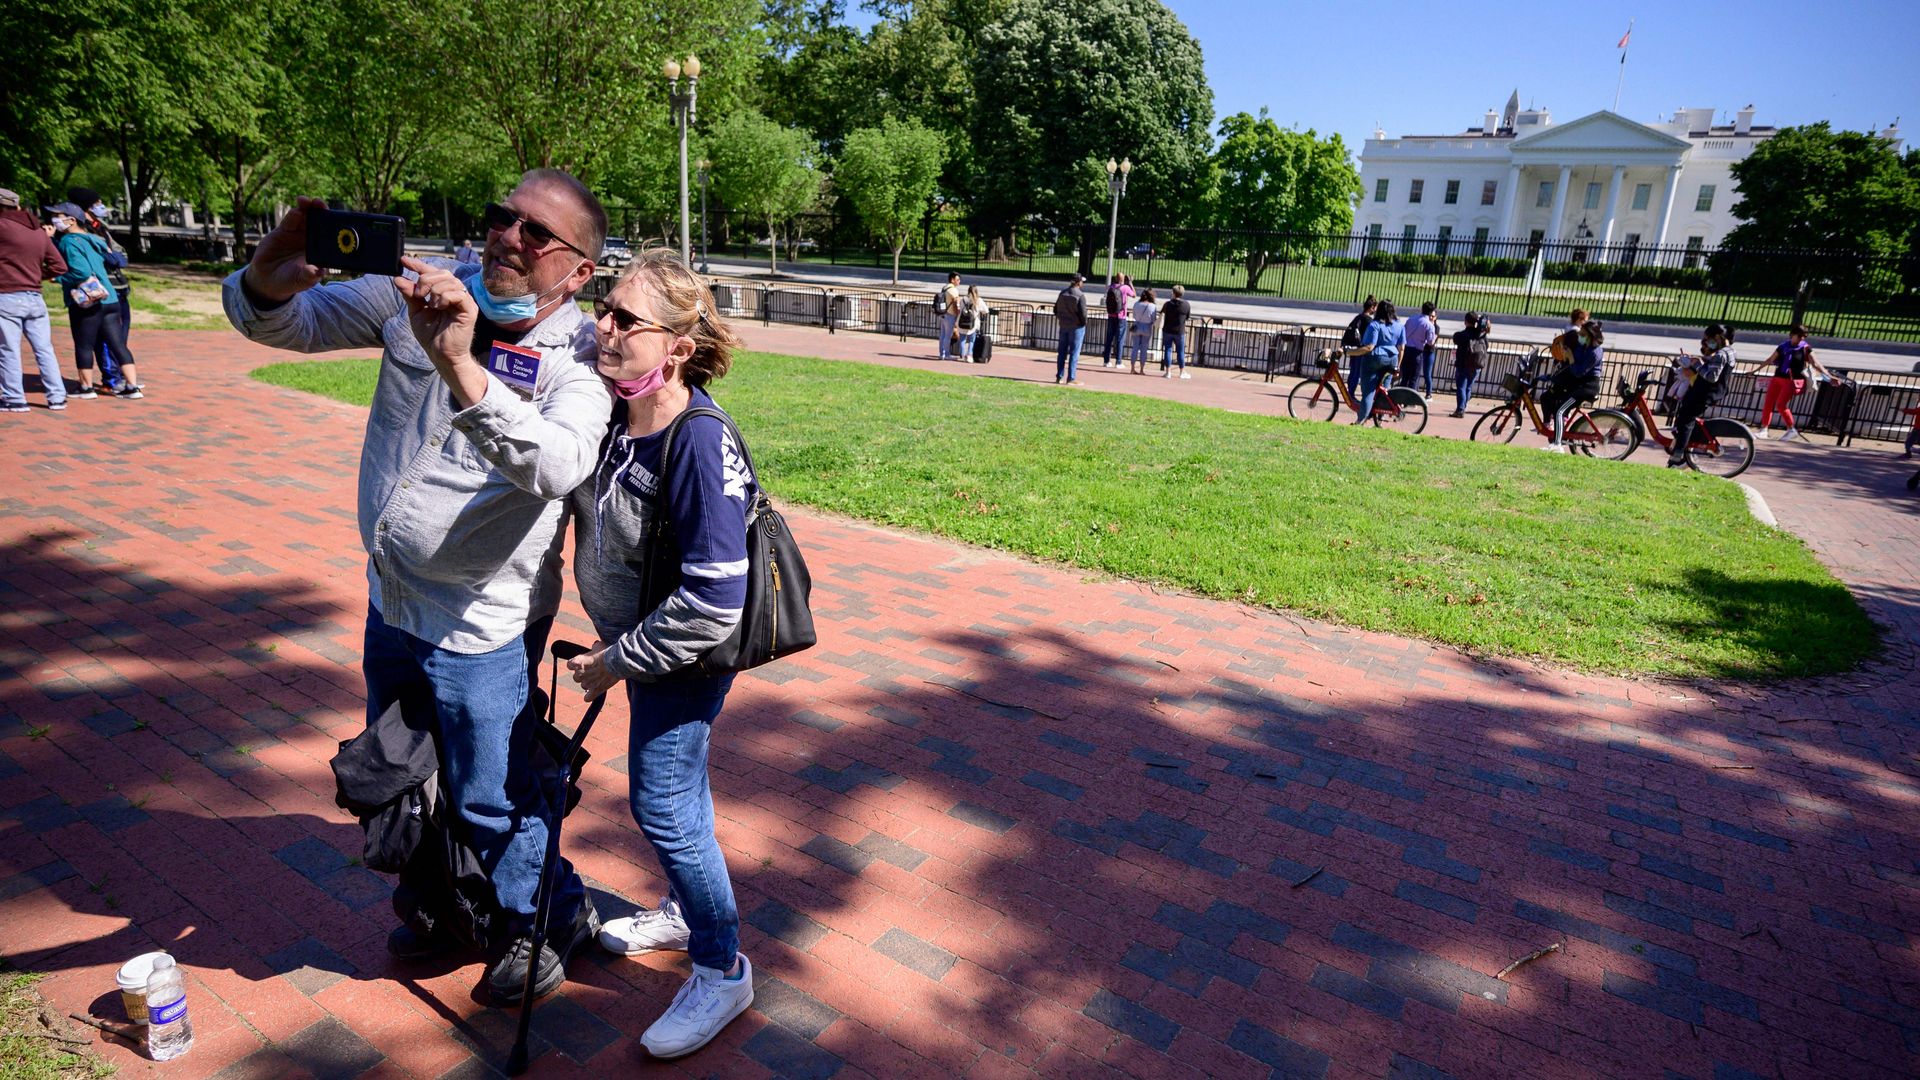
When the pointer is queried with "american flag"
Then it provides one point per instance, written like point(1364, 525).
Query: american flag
point(1624, 37)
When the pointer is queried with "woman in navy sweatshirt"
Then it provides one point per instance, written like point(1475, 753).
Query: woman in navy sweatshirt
point(661, 345)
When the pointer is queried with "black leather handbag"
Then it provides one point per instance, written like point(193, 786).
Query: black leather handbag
point(775, 620)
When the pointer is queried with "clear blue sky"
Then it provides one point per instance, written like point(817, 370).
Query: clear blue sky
point(1850, 62)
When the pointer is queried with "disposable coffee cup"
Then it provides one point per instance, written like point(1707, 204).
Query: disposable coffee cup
point(133, 978)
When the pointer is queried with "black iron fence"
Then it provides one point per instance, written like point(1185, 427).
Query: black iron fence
point(1869, 406)
point(1835, 294)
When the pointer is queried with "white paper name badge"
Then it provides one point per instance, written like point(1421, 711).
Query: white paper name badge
point(518, 367)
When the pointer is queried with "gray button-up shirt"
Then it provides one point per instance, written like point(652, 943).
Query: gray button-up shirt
point(461, 512)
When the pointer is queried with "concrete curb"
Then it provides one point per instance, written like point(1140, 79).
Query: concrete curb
point(1757, 505)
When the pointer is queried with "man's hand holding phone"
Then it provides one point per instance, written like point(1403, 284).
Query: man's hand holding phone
point(279, 270)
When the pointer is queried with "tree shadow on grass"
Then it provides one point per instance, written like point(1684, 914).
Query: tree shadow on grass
point(1810, 626)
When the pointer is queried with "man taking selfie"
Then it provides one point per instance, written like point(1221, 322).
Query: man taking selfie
point(488, 412)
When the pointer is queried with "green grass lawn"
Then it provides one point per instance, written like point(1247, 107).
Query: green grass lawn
point(1498, 549)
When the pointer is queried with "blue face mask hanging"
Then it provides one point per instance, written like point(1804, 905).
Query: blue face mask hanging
point(505, 310)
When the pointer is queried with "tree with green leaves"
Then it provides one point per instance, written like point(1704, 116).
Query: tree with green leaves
point(889, 174)
point(764, 169)
point(1815, 187)
point(41, 133)
point(1271, 179)
point(1060, 89)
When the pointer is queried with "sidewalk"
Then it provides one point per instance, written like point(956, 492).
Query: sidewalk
point(1006, 820)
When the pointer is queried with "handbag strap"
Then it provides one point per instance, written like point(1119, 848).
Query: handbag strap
point(657, 527)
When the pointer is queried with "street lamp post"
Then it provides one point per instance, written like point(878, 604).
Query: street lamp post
point(683, 111)
point(1116, 187)
point(706, 169)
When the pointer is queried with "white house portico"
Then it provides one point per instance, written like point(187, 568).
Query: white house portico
point(1599, 180)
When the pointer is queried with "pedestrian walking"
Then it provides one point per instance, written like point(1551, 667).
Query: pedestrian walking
point(27, 258)
point(946, 305)
point(1116, 308)
point(1070, 312)
point(1377, 354)
point(662, 346)
point(1173, 332)
point(93, 308)
point(116, 260)
point(1140, 336)
point(463, 481)
point(972, 316)
point(1350, 339)
point(1790, 361)
point(1707, 376)
point(1469, 356)
point(1417, 365)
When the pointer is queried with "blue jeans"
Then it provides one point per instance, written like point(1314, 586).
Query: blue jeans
point(23, 317)
point(946, 333)
point(1463, 387)
point(1066, 363)
point(964, 350)
point(1424, 369)
point(1139, 350)
point(1116, 343)
point(486, 740)
point(1175, 345)
point(1371, 376)
point(667, 780)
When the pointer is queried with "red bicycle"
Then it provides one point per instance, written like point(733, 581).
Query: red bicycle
point(1720, 446)
point(1400, 406)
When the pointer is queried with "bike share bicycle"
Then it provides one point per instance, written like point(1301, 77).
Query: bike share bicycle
point(1602, 433)
point(1401, 406)
point(1721, 446)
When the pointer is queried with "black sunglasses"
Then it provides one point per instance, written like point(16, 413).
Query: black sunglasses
point(625, 321)
point(501, 218)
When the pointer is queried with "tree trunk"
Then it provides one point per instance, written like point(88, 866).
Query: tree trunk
point(773, 248)
point(996, 251)
point(898, 247)
point(1256, 265)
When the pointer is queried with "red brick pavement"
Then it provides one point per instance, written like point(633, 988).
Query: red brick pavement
point(1004, 820)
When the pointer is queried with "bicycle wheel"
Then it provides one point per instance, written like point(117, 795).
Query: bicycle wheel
point(1498, 424)
point(1603, 433)
point(1313, 400)
point(1412, 417)
point(1721, 447)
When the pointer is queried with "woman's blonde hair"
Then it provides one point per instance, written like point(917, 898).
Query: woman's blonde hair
point(683, 303)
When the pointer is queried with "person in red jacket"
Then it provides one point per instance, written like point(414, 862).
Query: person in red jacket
point(27, 258)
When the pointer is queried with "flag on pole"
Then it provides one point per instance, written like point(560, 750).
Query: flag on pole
point(1625, 36)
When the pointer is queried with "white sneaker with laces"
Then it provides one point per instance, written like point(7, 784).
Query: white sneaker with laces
point(705, 1004)
point(1762, 434)
point(649, 931)
point(1792, 433)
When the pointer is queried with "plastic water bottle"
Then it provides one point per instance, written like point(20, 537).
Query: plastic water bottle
point(169, 1033)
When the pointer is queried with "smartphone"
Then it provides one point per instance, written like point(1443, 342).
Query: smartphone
point(365, 243)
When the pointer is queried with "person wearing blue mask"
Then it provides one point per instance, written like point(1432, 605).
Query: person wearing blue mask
point(487, 414)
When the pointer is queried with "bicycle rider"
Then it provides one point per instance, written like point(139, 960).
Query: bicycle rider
point(1707, 378)
point(1377, 355)
point(1576, 381)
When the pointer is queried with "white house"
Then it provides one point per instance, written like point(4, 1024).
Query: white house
point(1601, 179)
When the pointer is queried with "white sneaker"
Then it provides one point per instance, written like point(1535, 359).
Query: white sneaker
point(1166, 374)
point(704, 1005)
point(1554, 448)
point(1184, 375)
point(649, 931)
point(1792, 433)
point(1762, 433)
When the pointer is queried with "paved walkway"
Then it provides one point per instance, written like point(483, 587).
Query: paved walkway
point(1004, 820)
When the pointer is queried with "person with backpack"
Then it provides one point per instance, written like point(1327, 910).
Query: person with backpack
point(96, 223)
point(93, 307)
point(1469, 356)
point(1116, 306)
point(1377, 354)
point(1140, 340)
point(1173, 332)
point(946, 309)
point(1417, 366)
point(1350, 339)
point(971, 316)
point(1708, 376)
point(1790, 361)
point(661, 346)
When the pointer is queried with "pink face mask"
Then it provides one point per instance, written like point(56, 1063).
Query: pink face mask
point(651, 382)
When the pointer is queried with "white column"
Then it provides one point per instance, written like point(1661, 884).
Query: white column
point(1509, 202)
point(1613, 205)
point(1559, 203)
point(1666, 208)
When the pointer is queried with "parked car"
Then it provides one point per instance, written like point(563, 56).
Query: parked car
point(615, 253)
point(1139, 251)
